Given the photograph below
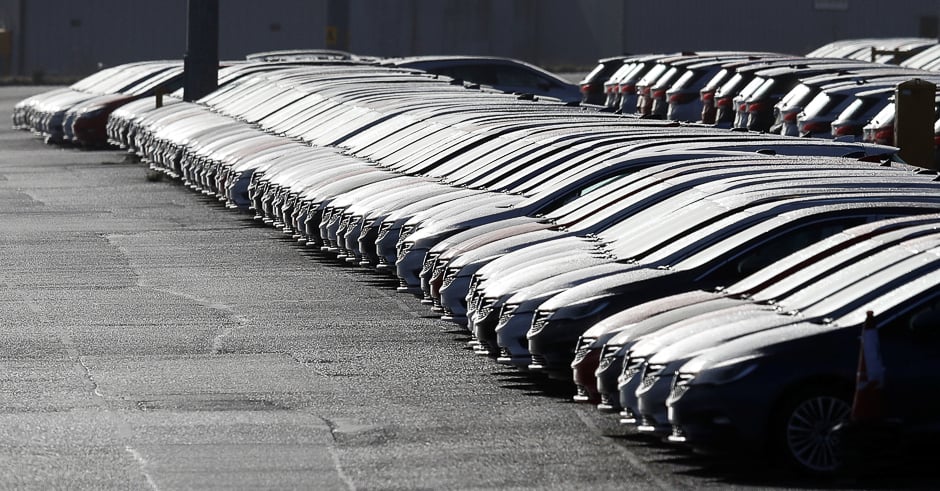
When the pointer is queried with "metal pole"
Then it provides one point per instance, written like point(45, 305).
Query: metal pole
point(201, 62)
point(337, 24)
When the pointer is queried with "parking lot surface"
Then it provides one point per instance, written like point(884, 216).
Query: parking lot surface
point(154, 339)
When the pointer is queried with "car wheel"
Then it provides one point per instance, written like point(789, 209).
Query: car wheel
point(806, 429)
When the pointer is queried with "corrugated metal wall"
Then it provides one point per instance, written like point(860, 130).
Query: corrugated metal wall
point(74, 36)
point(789, 26)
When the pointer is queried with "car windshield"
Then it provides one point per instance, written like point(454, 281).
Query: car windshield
point(884, 117)
point(717, 80)
point(730, 87)
point(153, 82)
point(631, 245)
point(714, 241)
point(841, 268)
point(688, 77)
point(634, 73)
point(593, 74)
point(91, 81)
point(749, 89)
point(890, 287)
point(764, 91)
point(796, 96)
point(857, 108)
point(666, 78)
point(822, 104)
point(621, 72)
point(652, 75)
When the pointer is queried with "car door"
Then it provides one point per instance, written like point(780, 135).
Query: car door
point(910, 353)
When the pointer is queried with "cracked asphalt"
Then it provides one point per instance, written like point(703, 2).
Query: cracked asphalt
point(153, 339)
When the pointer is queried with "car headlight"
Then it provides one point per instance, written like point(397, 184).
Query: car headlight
point(539, 321)
point(383, 230)
point(405, 248)
point(726, 372)
point(406, 231)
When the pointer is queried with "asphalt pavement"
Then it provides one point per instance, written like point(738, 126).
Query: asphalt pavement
point(153, 339)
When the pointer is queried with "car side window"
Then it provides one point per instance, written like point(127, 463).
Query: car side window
point(517, 77)
point(777, 247)
point(470, 73)
point(921, 324)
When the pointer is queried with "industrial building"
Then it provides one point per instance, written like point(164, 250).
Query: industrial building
point(70, 38)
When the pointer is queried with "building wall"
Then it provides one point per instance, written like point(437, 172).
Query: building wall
point(545, 32)
point(74, 37)
point(790, 26)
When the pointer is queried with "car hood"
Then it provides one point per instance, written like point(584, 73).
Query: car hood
point(760, 344)
point(688, 338)
point(649, 309)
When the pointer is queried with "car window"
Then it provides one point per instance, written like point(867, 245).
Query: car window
point(761, 247)
point(886, 115)
point(921, 322)
point(470, 73)
point(730, 87)
point(764, 90)
point(822, 104)
point(749, 89)
point(716, 81)
point(776, 248)
point(518, 77)
point(597, 71)
point(666, 78)
point(858, 108)
point(652, 75)
point(684, 80)
point(797, 96)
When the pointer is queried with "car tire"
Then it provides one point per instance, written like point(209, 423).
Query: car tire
point(803, 429)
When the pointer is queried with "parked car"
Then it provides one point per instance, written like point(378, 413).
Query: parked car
point(505, 74)
point(598, 367)
point(517, 309)
point(559, 322)
point(662, 353)
point(592, 85)
point(787, 389)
